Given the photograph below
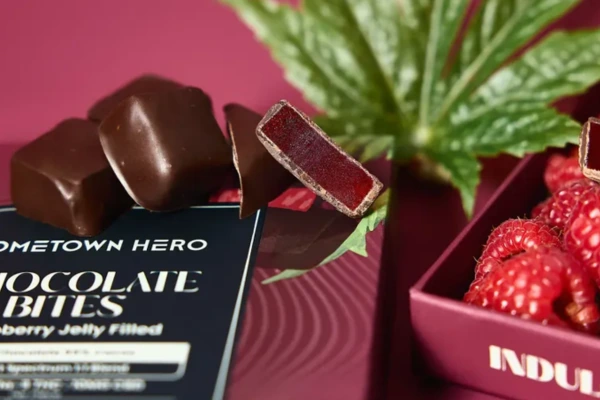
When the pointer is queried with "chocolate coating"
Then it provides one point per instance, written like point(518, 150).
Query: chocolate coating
point(311, 156)
point(589, 149)
point(301, 240)
point(262, 178)
point(63, 179)
point(166, 148)
point(143, 84)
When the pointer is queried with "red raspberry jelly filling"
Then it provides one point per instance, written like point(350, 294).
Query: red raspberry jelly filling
point(308, 153)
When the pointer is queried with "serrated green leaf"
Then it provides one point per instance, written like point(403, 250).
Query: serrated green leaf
point(366, 148)
point(563, 64)
point(357, 123)
point(499, 29)
point(286, 274)
point(446, 18)
point(353, 144)
point(376, 148)
point(414, 23)
point(356, 241)
point(333, 52)
point(363, 75)
point(463, 170)
point(517, 129)
point(360, 135)
point(330, 79)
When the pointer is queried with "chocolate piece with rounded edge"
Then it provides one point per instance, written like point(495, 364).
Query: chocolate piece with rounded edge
point(63, 179)
point(301, 240)
point(167, 148)
point(311, 156)
point(144, 84)
point(589, 149)
point(262, 178)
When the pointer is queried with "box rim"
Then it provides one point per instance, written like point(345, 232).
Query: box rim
point(455, 306)
point(420, 284)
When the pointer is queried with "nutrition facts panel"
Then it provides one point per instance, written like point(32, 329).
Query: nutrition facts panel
point(39, 370)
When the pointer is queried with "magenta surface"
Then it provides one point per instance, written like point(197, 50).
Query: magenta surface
point(318, 158)
point(59, 57)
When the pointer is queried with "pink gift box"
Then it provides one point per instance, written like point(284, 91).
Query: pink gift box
point(488, 350)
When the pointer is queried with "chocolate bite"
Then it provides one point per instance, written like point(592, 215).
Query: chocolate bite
point(262, 178)
point(63, 179)
point(301, 240)
point(589, 149)
point(312, 157)
point(143, 84)
point(166, 148)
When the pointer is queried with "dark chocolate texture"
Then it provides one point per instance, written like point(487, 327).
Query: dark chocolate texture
point(310, 155)
point(301, 240)
point(262, 178)
point(167, 148)
point(144, 84)
point(63, 179)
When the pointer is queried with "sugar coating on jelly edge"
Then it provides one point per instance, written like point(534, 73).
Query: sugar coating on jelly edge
point(333, 170)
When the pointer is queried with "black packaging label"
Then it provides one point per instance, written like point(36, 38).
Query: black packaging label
point(149, 309)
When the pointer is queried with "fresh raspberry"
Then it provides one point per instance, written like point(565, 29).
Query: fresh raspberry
point(560, 171)
point(556, 210)
point(582, 236)
point(545, 285)
point(511, 238)
point(480, 279)
point(542, 210)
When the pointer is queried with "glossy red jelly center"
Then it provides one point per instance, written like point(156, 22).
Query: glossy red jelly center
point(593, 156)
point(318, 158)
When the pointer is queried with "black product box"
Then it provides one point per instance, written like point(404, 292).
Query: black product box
point(149, 309)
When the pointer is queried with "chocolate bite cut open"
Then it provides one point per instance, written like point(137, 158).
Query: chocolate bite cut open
point(589, 149)
point(262, 178)
point(63, 179)
point(167, 148)
point(312, 157)
point(144, 84)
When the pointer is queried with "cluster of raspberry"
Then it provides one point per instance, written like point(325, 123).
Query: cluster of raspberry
point(546, 268)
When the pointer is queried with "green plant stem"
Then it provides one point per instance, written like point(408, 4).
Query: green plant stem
point(432, 171)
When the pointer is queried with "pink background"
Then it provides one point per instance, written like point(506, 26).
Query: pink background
point(57, 57)
point(304, 339)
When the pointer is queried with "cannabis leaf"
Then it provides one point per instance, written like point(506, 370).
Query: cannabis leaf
point(395, 77)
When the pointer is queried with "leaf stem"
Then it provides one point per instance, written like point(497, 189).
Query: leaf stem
point(403, 149)
point(472, 70)
point(432, 171)
point(430, 57)
point(385, 80)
